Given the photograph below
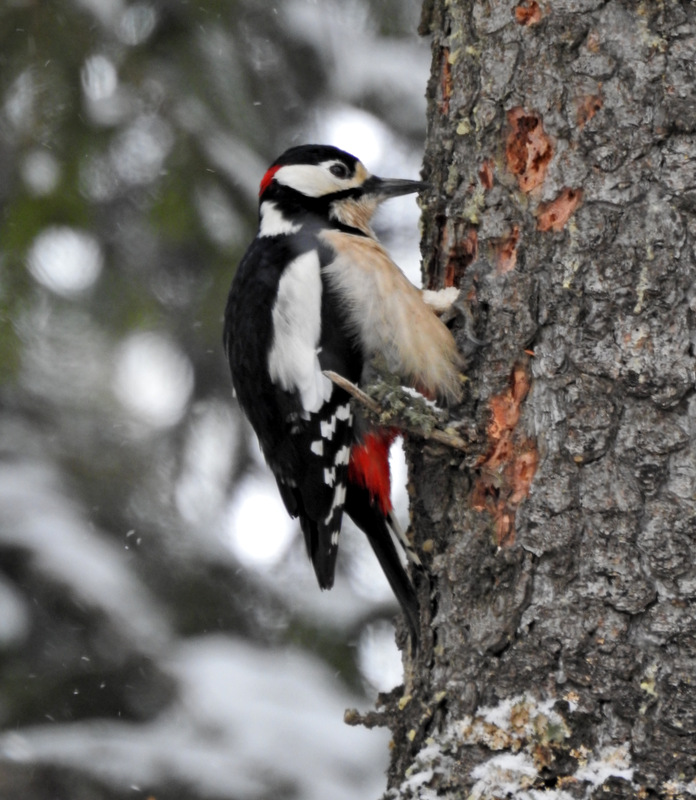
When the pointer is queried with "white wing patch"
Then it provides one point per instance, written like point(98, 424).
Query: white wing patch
point(273, 223)
point(338, 501)
point(293, 361)
point(344, 413)
point(334, 476)
point(343, 456)
point(328, 428)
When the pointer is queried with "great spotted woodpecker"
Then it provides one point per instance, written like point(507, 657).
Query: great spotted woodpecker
point(316, 291)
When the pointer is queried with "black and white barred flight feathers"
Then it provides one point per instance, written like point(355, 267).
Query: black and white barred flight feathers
point(316, 291)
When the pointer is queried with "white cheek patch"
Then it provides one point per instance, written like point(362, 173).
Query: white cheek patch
point(315, 180)
point(293, 360)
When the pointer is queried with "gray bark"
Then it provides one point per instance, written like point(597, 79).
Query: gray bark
point(559, 625)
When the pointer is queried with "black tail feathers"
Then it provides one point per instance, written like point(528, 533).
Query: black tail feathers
point(369, 518)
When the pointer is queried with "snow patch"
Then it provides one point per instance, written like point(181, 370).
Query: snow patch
point(506, 774)
point(521, 733)
point(612, 762)
point(409, 390)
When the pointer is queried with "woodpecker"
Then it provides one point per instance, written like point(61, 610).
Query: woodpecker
point(316, 291)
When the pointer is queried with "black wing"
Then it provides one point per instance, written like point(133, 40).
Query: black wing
point(307, 450)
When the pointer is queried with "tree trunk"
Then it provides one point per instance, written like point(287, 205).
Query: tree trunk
point(559, 626)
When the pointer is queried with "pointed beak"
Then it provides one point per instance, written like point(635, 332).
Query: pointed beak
point(384, 188)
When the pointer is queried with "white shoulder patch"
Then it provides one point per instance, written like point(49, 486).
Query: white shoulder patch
point(273, 223)
point(293, 361)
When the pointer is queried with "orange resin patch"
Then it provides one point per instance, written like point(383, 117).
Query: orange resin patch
point(528, 148)
point(507, 251)
point(528, 13)
point(554, 215)
point(507, 470)
point(461, 249)
point(486, 174)
point(588, 107)
point(445, 81)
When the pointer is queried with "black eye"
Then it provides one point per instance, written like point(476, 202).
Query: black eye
point(339, 170)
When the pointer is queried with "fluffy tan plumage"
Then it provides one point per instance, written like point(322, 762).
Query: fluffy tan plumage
point(390, 316)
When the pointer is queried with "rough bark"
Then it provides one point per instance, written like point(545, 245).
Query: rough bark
point(560, 622)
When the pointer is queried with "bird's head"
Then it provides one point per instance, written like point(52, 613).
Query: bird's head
point(324, 177)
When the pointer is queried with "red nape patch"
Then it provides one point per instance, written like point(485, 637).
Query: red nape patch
point(369, 467)
point(267, 178)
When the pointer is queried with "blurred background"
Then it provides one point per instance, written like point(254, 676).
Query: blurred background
point(161, 630)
